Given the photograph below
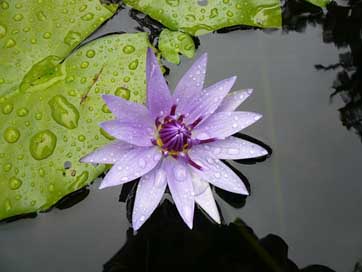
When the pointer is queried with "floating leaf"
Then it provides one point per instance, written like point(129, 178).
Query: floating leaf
point(198, 17)
point(319, 3)
point(171, 43)
point(53, 121)
point(31, 30)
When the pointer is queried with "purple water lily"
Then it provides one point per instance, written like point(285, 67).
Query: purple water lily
point(177, 141)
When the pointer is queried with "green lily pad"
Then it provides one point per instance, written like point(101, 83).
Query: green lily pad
point(319, 3)
point(48, 125)
point(31, 30)
point(198, 17)
point(171, 43)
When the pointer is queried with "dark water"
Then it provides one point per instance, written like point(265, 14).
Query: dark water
point(308, 85)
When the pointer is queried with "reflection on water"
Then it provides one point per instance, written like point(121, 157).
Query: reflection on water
point(164, 243)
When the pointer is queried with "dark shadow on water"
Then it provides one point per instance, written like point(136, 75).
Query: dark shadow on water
point(164, 243)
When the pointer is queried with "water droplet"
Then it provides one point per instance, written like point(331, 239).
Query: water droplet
point(7, 205)
point(123, 92)
point(82, 8)
point(233, 151)
point(41, 16)
point(7, 167)
point(41, 172)
point(90, 53)
point(133, 65)
point(180, 173)
point(10, 43)
point(3, 31)
point(51, 187)
point(11, 135)
point(84, 65)
point(128, 49)
point(72, 38)
point(38, 116)
point(160, 178)
point(142, 163)
point(81, 138)
point(87, 17)
point(4, 5)
point(18, 17)
point(173, 3)
point(105, 109)
point(47, 35)
point(214, 13)
point(63, 112)
point(15, 183)
point(22, 112)
point(7, 108)
point(81, 179)
point(42, 144)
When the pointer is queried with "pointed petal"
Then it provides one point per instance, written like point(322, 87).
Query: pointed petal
point(134, 164)
point(217, 173)
point(223, 124)
point(139, 134)
point(205, 199)
point(159, 100)
point(149, 193)
point(233, 148)
point(108, 154)
point(127, 111)
point(209, 100)
point(179, 182)
point(190, 84)
point(234, 99)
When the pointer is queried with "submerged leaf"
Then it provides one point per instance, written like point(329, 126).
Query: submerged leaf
point(198, 17)
point(319, 3)
point(53, 122)
point(171, 43)
point(32, 30)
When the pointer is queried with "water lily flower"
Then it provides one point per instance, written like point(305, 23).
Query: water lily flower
point(177, 141)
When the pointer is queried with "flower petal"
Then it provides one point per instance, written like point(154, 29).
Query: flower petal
point(127, 111)
point(233, 148)
point(190, 84)
point(108, 154)
point(217, 173)
point(135, 163)
point(234, 99)
point(206, 199)
point(149, 193)
point(179, 182)
point(159, 100)
point(223, 124)
point(139, 134)
point(209, 100)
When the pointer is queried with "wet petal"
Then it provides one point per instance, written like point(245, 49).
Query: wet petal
point(179, 182)
point(190, 84)
point(217, 173)
point(234, 99)
point(135, 163)
point(233, 148)
point(224, 124)
point(209, 100)
point(108, 154)
point(159, 100)
point(206, 199)
point(139, 134)
point(149, 193)
point(127, 111)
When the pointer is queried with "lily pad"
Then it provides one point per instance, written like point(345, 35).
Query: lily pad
point(53, 121)
point(319, 3)
point(31, 30)
point(171, 43)
point(198, 17)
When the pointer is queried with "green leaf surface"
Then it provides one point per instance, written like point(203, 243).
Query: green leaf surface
point(319, 3)
point(48, 125)
point(31, 30)
point(198, 17)
point(172, 43)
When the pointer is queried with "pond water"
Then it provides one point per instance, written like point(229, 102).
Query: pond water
point(307, 81)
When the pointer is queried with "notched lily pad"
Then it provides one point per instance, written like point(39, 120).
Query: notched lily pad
point(172, 43)
point(31, 30)
point(46, 129)
point(198, 17)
